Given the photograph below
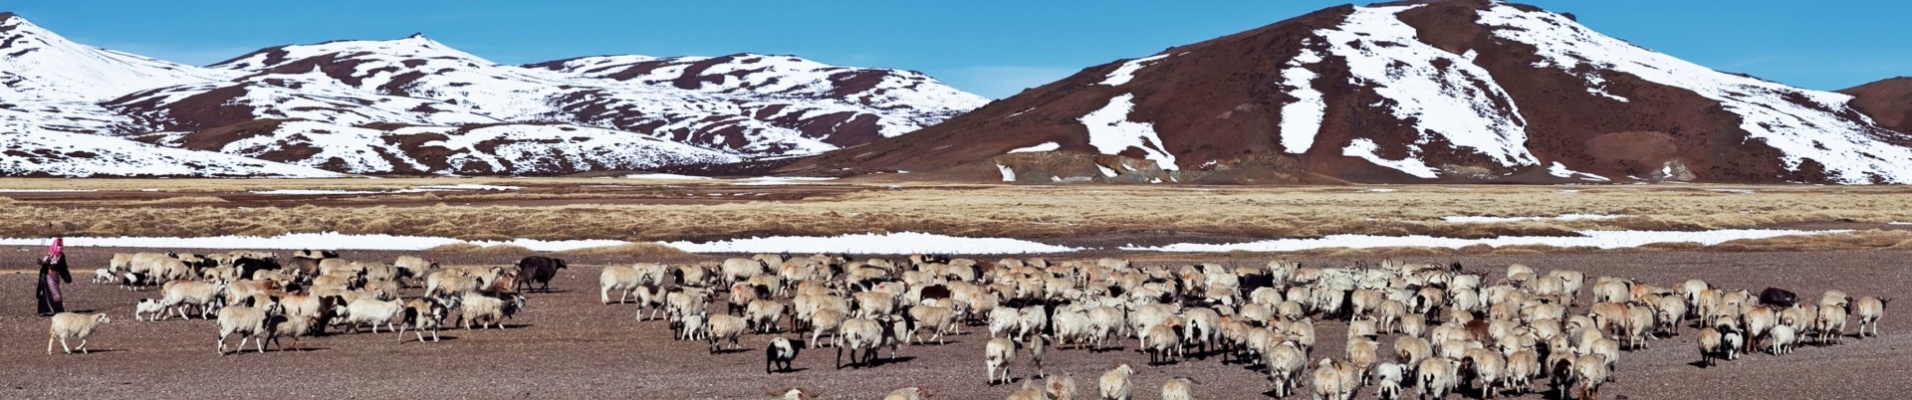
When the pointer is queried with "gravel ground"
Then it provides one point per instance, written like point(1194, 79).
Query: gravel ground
point(566, 345)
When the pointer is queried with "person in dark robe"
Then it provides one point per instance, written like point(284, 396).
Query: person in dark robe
point(53, 274)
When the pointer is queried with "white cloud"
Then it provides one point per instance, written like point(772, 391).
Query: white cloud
point(999, 81)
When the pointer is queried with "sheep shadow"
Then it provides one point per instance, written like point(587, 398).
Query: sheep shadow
point(790, 371)
point(733, 351)
point(1698, 364)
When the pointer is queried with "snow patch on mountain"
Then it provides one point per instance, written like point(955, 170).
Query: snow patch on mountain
point(1126, 72)
point(1366, 149)
point(47, 153)
point(1301, 119)
point(1802, 124)
point(1111, 132)
point(1460, 103)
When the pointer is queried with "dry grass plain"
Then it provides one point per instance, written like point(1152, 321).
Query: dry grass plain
point(654, 210)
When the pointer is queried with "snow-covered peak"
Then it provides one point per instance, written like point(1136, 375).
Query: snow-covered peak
point(414, 47)
point(37, 62)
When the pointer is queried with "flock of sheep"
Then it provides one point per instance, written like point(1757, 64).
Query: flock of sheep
point(1451, 330)
point(1512, 331)
point(254, 297)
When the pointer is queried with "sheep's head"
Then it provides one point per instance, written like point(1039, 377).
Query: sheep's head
point(102, 318)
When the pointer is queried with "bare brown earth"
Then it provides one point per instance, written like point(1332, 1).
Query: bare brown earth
point(568, 346)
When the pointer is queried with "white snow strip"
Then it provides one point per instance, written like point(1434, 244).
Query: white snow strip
point(890, 243)
point(781, 180)
point(668, 177)
point(1801, 124)
point(1378, 190)
point(1008, 175)
point(1460, 103)
point(1471, 219)
point(1123, 74)
point(416, 189)
point(1111, 132)
point(1301, 120)
point(1598, 239)
point(462, 186)
point(1364, 148)
point(1049, 146)
point(1899, 223)
point(1561, 170)
point(1106, 171)
point(329, 240)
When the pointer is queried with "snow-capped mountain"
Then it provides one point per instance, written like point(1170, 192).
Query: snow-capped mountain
point(417, 106)
point(1435, 91)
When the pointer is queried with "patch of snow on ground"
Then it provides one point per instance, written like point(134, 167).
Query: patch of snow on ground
point(1364, 148)
point(1802, 124)
point(1460, 104)
point(668, 177)
point(1106, 171)
point(1598, 239)
point(1008, 175)
point(890, 243)
point(1561, 170)
point(1111, 132)
point(1049, 146)
point(1378, 190)
point(329, 240)
point(1123, 74)
point(1471, 219)
point(781, 180)
point(1301, 120)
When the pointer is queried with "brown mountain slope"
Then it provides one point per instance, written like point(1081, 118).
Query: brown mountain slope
point(1888, 101)
point(1452, 91)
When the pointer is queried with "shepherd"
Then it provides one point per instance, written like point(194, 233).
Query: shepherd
point(54, 262)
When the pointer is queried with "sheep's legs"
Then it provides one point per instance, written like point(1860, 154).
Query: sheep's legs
point(83, 347)
point(256, 342)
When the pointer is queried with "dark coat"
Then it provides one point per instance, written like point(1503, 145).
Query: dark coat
point(538, 269)
point(44, 292)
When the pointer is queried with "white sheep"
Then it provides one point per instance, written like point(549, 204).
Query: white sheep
point(1831, 324)
point(622, 278)
point(1868, 310)
point(1115, 385)
point(1285, 363)
point(1178, 389)
point(764, 315)
point(1782, 339)
point(997, 354)
point(484, 311)
point(723, 327)
point(1590, 373)
point(179, 294)
point(148, 306)
point(374, 312)
point(73, 325)
point(1436, 377)
point(248, 323)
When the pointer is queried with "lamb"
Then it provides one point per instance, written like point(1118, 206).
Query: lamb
point(485, 311)
point(780, 353)
point(1115, 385)
point(724, 327)
point(1868, 310)
point(1178, 389)
point(997, 354)
point(1781, 338)
point(374, 312)
point(73, 325)
point(247, 322)
point(148, 306)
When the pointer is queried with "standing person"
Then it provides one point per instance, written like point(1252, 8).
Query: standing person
point(49, 292)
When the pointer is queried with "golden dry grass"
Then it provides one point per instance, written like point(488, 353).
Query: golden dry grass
point(577, 208)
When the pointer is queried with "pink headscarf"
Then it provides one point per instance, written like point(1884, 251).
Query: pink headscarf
point(54, 251)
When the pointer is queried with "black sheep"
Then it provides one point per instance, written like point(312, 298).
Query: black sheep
point(538, 269)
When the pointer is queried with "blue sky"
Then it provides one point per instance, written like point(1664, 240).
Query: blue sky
point(993, 48)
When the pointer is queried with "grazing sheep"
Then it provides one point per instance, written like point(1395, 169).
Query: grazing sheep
point(1588, 371)
point(764, 315)
point(1178, 389)
point(622, 278)
point(865, 335)
point(1782, 339)
point(202, 295)
point(373, 312)
point(485, 311)
point(424, 314)
point(539, 270)
point(1115, 385)
point(828, 321)
point(1830, 326)
point(73, 325)
point(1868, 310)
point(908, 393)
point(780, 353)
point(937, 318)
point(724, 327)
point(997, 355)
point(1285, 363)
point(248, 322)
point(1436, 377)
